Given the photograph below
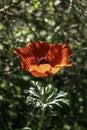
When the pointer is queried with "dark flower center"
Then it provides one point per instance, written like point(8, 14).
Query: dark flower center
point(42, 60)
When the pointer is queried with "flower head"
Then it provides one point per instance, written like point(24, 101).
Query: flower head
point(43, 59)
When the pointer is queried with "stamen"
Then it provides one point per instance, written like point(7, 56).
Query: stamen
point(42, 60)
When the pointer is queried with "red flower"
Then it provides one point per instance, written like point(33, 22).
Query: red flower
point(43, 59)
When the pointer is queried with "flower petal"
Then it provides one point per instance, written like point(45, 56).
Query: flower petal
point(66, 53)
point(39, 49)
point(56, 68)
point(58, 54)
point(40, 71)
point(26, 56)
point(37, 74)
point(70, 63)
point(32, 53)
point(42, 68)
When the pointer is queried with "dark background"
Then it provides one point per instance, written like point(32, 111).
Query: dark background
point(55, 21)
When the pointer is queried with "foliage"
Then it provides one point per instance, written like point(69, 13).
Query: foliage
point(58, 21)
point(50, 98)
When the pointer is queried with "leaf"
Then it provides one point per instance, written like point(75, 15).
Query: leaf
point(52, 96)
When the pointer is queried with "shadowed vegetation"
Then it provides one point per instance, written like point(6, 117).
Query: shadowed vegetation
point(55, 21)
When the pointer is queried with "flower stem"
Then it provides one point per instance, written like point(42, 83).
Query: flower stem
point(44, 95)
point(41, 120)
point(43, 111)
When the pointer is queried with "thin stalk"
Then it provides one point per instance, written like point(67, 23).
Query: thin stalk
point(41, 120)
point(44, 95)
point(43, 111)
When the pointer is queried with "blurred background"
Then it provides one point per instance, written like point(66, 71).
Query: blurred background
point(55, 21)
